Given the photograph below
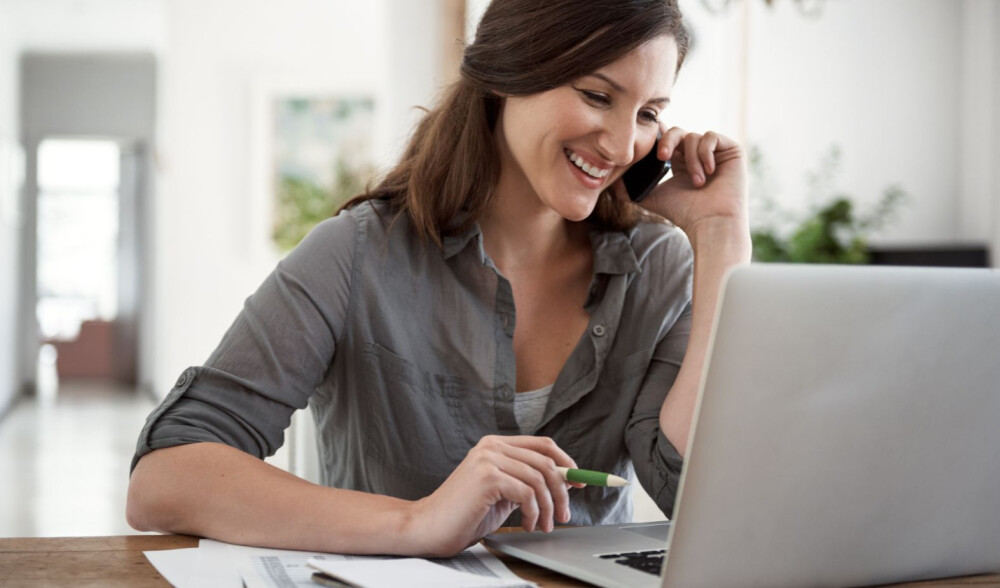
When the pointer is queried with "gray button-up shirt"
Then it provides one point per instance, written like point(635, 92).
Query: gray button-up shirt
point(404, 352)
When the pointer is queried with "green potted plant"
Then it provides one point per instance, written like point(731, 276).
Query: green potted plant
point(832, 231)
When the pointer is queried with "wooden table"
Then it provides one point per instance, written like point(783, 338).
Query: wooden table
point(108, 562)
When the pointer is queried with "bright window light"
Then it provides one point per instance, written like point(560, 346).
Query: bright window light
point(77, 235)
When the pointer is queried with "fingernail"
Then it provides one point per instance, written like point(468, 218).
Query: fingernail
point(698, 178)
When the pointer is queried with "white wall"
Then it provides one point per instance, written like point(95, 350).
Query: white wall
point(88, 25)
point(9, 231)
point(707, 95)
point(882, 80)
point(978, 208)
point(994, 130)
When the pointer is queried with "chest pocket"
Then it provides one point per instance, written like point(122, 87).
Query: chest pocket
point(413, 424)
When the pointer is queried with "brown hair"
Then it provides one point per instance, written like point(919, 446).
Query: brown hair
point(448, 173)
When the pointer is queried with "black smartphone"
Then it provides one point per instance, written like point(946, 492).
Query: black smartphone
point(644, 175)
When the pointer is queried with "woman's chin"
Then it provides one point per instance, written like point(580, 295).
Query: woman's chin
point(577, 213)
point(576, 209)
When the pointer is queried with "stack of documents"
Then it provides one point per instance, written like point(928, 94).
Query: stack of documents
point(216, 564)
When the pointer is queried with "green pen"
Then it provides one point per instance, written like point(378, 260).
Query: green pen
point(592, 478)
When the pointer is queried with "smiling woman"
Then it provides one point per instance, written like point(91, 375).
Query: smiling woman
point(596, 125)
point(494, 309)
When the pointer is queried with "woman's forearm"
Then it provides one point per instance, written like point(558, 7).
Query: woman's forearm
point(718, 246)
point(213, 490)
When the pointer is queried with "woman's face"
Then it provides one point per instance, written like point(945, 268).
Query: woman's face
point(568, 144)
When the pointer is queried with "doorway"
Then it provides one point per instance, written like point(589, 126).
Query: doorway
point(86, 122)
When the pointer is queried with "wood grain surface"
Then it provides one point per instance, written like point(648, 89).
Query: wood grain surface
point(110, 562)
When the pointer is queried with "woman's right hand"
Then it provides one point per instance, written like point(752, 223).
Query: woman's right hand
point(497, 475)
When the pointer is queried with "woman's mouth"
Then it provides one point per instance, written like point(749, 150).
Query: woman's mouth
point(592, 171)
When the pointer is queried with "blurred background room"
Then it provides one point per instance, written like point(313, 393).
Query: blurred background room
point(158, 157)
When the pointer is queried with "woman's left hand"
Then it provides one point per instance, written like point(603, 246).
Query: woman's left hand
point(709, 181)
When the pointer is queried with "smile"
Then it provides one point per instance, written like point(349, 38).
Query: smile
point(591, 170)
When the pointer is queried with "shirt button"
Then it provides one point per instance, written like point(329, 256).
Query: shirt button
point(184, 379)
point(598, 330)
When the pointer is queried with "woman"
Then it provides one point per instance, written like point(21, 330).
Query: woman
point(493, 309)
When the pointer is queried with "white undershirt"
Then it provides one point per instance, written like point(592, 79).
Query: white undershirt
point(529, 408)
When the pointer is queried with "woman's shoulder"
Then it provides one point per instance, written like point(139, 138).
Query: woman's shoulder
point(659, 242)
point(665, 266)
point(337, 239)
point(368, 220)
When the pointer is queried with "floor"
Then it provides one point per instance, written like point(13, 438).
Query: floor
point(64, 461)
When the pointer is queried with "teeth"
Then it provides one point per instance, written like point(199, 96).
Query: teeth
point(591, 170)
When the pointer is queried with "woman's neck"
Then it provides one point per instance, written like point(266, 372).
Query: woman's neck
point(521, 233)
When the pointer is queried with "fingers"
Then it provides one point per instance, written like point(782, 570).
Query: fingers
point(548, 447)
point(543, 445)
point(669, 142)
point(532, 462)
point(556, 488)
point(695, 154)
point(694, 166)
point(706, 151)
point(528, 487)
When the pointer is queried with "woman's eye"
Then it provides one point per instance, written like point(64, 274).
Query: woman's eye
point(596, 97)
point(649, 116)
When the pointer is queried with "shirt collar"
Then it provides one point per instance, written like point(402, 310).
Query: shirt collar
point(613, 251)
point(452, 244)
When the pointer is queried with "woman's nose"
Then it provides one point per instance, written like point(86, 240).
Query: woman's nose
point(617, 142)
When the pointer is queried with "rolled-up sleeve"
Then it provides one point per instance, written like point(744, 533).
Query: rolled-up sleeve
point(271, 359)
point(657, 462)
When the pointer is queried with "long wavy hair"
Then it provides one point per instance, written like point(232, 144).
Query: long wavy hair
point(449, 171)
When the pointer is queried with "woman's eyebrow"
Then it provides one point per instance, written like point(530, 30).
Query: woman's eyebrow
point(621, 89)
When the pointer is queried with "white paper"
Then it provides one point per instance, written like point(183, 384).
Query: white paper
point(410, 572)
point(214, 564)
point(288, 569)
point(216, 567)
point(175, 565)
point(239, 564)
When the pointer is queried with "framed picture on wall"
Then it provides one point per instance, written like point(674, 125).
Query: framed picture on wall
point(322, 157)
point(314, 147)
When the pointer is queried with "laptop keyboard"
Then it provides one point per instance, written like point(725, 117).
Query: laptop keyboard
point(650, 562)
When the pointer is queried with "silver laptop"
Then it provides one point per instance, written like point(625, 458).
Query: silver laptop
point(847, 433)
